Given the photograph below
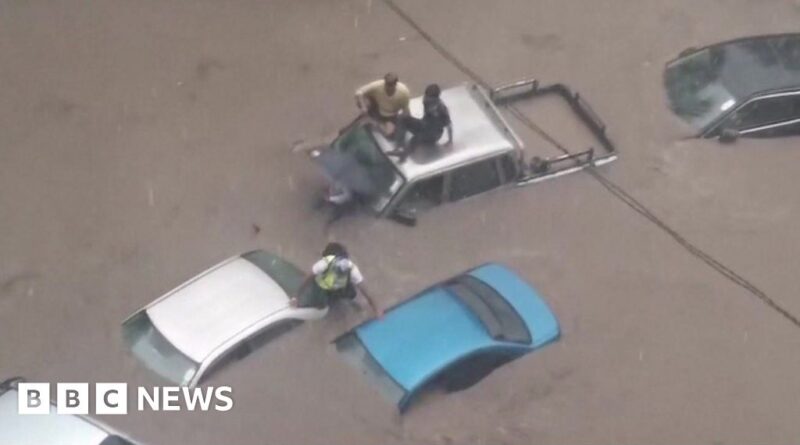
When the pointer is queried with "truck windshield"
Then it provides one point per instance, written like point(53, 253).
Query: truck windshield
point(156, 352)
point(363, 168)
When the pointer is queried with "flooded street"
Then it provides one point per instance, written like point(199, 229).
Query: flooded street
point(142, 142)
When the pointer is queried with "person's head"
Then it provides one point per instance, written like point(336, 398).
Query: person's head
point(390, 83)
point(335, 249)
point(431, 96)
point(433, 91)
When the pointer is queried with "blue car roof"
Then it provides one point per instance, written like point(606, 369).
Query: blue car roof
point(541, 321)
point(425, 334)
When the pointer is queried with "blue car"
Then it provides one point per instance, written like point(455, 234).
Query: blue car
point(452, 334)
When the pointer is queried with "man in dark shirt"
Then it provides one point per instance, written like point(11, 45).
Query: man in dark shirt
point(429, 129)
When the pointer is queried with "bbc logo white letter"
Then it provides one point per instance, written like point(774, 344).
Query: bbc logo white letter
point(111, 398)
point(72, 398)
point(33, 398)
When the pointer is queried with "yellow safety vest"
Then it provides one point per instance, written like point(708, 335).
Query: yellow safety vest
point(331, 279)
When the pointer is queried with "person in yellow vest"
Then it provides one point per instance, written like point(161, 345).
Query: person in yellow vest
point(334, 277)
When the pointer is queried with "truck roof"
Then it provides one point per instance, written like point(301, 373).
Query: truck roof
point(478, 132)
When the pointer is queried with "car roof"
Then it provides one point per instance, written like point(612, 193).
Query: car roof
point(753, 65)
point(416, 339)
point(478, 132)
point(51, 429)
point(425, 334)
point(528, 303)
point(204, 313)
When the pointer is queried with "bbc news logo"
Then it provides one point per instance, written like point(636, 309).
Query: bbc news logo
point(112, 398)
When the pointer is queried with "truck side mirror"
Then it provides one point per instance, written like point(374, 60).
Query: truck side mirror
point(405, 216)
point(539, 165)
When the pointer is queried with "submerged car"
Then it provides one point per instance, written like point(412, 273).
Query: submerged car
point(748, 87)
point(219, 316)
point(51, 428)
point(452, 334)
point(486, 154)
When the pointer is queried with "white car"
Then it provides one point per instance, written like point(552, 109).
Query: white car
point(49, 429)
point(217, 316)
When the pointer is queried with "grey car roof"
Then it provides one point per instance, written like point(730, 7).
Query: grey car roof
point(478, 132)
point(752, 65)
point(201, 315)
point(51, 429)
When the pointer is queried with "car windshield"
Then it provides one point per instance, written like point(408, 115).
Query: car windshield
point(354, 353)
point(363, 168)
point(156, 352)
point(286, 274)
point(495, 313)
point(696, 92)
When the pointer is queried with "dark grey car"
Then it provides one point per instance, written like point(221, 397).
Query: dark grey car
point(748, 87)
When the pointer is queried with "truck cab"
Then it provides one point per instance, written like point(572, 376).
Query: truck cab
point(485, 154)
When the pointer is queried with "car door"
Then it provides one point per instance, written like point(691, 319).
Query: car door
point(768, 116)
point(475, 178)
point(248, 345)
point(423, 194)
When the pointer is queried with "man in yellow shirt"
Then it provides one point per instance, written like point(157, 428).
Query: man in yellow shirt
point(384, 99)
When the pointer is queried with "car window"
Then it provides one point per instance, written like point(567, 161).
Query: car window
point(356, 161)
point(779, 130)
point(471, 370)
point(499, 318)
point(241, 351)
point(115, 440)
point(286, 274)
point(696, 91)
point(425, 194)
point(766, 111)
point(156, 352)
point(478, 307)
point(473, 179)
point(244, 349)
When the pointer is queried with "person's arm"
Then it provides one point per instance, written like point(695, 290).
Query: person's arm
point(449, 124)
point(363, 91)
point(406, 110)
point(316, 269)
point(360, 97)
point(357, 279)
point(378, 312)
